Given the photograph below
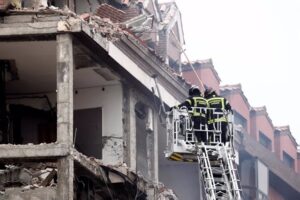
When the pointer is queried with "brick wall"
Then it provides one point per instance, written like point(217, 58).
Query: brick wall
point(238, 104)
point(260, 123)
point(287, 145)
point(206, 75)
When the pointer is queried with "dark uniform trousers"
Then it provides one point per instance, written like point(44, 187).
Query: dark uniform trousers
point(199, 118)
point(217, 121)
point(197, 108)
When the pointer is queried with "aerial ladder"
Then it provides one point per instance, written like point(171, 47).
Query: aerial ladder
point(218, 176)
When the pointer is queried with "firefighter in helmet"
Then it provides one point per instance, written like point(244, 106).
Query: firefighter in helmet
point(216, 116)
point(196, 105)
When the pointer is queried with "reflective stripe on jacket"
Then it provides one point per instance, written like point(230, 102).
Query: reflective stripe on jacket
point(199, 103)
point(219, 104)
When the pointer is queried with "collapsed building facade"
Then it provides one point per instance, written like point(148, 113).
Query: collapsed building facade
point(83, 92)
point(84, 87)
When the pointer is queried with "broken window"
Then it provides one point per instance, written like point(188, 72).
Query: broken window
point(28, 92)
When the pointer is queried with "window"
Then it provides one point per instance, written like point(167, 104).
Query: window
point(265, 141)
point(288, 160)
point(239, 120)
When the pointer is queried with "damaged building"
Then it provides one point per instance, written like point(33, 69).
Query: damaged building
point(83, 93)
point(84, 87)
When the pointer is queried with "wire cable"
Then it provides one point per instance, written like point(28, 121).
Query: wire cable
point(188, 60)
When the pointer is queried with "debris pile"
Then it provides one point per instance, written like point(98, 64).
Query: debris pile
point(28, 176)
point(106, 28)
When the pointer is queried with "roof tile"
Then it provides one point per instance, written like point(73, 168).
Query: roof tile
point(116, 15)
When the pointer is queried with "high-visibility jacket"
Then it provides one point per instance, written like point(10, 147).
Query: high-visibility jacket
point(218, 104)
point(195, 105)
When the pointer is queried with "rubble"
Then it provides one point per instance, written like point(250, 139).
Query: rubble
point(28, 176)
point(106, 28)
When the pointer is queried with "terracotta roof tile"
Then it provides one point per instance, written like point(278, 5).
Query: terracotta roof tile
point(130, 13)
point(108, 11)
point(117, 15)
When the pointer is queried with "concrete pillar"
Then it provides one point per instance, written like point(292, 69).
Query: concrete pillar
point(65, 174)
point(65, 114)
point(132, 133)
point(64, 89)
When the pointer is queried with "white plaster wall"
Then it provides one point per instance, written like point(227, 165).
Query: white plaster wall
point(141, 75)
point(109, 98)
point(111, 102)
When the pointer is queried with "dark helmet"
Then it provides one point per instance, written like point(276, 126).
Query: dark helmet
point(209, 92)
point(194, 91)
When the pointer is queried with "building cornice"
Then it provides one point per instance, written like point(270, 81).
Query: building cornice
point(285, 130)
point(227, 90)
point(201, 64)
point(262, 111)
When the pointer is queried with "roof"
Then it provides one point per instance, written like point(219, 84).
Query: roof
point(285, 130)
point(231, 89)
point(117, 15)
point(110, 12)
point(201, 64)
point(112, 31)
point(261, 111)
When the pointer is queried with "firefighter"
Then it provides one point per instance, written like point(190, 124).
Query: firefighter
point(217, 118)
point(196, 105)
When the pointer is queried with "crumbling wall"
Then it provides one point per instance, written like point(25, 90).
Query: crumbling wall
point(139, 127)
point(28, 181)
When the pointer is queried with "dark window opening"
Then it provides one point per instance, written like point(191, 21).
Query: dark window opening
point(88, 131)
point(239, 120)
point(265, 141)
point(31, 125)
point(288, 160)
